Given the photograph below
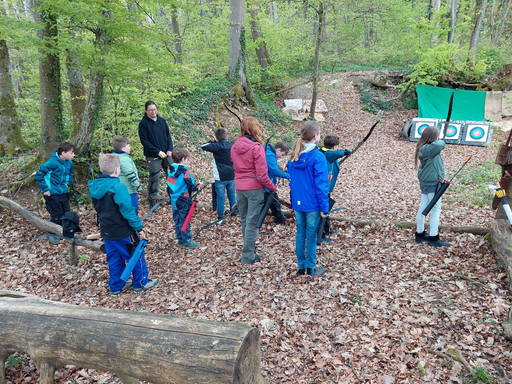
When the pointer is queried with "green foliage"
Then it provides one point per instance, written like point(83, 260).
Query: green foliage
point(471, 185)
point(83, 258)
point(481, 375)
point(410, 104)
point(12, 361)
point(372, 104)
point(421, 369)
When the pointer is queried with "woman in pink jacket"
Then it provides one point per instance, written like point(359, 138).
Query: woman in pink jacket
point(251, 179)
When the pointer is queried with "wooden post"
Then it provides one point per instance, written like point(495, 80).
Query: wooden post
point(160, 349)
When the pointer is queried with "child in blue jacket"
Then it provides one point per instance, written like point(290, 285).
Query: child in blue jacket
point(180, 185)
point(54, 178)
point(273, 153)
point(309, 187)
point(120, 227)
point(332, 155)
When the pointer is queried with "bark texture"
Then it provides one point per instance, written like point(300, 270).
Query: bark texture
point(160, 349)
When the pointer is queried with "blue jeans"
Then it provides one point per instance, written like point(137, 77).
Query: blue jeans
point(435, 214)
point(305, 240)
point(179, 215)
point(118, 254)
point(220, 188)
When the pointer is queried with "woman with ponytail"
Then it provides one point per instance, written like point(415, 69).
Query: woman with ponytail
point(309, 186)
point(251, 179)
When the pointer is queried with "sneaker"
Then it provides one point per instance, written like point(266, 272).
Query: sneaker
point(255, 260)
point(153, 283)
point(421, 237)
point(262, 231)
point(301, 271)
point(53, 239)
point(234, 213)
point(326, 240)
point(332, 230)
point(315, 271)
point(180, 242)
point(221, 222)
point(127, 285)
point(435, 241)
point(190, 244)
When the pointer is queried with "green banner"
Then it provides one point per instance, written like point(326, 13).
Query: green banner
point(467, 105)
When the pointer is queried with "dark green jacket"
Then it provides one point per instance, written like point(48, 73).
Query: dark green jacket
point(431, 169)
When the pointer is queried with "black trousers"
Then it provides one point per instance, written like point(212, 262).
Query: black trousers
point(57, 205)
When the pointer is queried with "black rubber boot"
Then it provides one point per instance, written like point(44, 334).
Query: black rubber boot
point(421, 237)
point(435, 241)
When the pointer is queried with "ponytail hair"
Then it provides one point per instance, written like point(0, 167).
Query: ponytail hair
point(307, 132)
point(428, 136)
point(251, 127)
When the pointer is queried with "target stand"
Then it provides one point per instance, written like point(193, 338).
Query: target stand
point(478, 133)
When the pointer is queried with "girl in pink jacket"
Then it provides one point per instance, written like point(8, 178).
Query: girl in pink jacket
point(251, 179)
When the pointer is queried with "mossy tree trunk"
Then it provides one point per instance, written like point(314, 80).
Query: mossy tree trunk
point(52, 123)
point(10, 124)
point(77, 90)
point(257, 36)
point(237, 48)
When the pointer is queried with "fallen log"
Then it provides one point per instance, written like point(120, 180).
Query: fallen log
point(160, 349)
point(47, 226)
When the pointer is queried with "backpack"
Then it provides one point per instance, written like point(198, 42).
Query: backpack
point(70, 224)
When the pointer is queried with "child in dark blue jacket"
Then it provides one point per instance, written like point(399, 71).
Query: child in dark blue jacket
point(309, 186)
point(223, 172)
point(333, 167)
point(180, 185)
point(54, 178)
point(273, 153)
point(120, 227)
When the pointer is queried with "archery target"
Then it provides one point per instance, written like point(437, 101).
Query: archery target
point(477, 133)
point(418, 125)
point(453, 131)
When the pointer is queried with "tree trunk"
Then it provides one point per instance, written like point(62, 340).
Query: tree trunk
point(453, 18)
point(316, 72)
point(52, 123)
point(177, 35)
point(237, 47)
point(479, 22)
point(10, 124)
point(77, 91)
point(257, 36)
point(161, 349)
point(501, 16)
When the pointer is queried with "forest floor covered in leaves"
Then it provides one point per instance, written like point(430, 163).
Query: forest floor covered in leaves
point(387, 310)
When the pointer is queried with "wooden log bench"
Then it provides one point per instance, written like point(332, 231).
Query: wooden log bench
point(157, 348)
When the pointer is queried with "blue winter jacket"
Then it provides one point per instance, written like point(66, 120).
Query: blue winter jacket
point(180, 182)
point(273, 168)
point(114, 206)
point(333, 167)
point(309, 182)
point(56, 175)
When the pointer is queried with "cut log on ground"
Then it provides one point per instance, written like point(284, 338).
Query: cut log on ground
point(160, 349)
point(46, 226)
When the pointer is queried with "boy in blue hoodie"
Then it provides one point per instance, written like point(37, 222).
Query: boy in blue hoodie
point(54, 178)
point(180, 185)
point(333, 167)
point(120, 227)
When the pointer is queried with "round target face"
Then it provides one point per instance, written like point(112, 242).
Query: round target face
point(477, 133)
point(451, 131)
point(421, 128)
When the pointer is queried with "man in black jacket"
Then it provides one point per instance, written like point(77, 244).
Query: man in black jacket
point(157, 142)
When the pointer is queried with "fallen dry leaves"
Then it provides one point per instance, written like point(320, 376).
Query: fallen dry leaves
point(383, 304)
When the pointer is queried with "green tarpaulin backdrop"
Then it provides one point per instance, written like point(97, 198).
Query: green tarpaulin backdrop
point(467, 105)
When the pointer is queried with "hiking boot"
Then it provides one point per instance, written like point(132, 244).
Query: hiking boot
point(190, 244)
point(301, 271)
point(153, 283)
point(53, 239)
point(435, 241)
point(127, 285)
point(421, 237)
point(152, 203)
point(315, 271)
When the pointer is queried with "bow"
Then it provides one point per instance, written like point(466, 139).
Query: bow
point(238, 117)
point(447, 122)
point(220, 219)
point(361, 142)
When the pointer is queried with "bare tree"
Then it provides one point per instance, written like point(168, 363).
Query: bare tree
point(479, 23)
point(77, 90)
point(52, 123)
point(316, 75)
point(257, 36)
point(453, 17)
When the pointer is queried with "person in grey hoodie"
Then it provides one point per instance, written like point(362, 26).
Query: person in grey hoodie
point(430, 175)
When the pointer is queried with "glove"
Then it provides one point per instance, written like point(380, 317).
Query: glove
point(347, 152)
